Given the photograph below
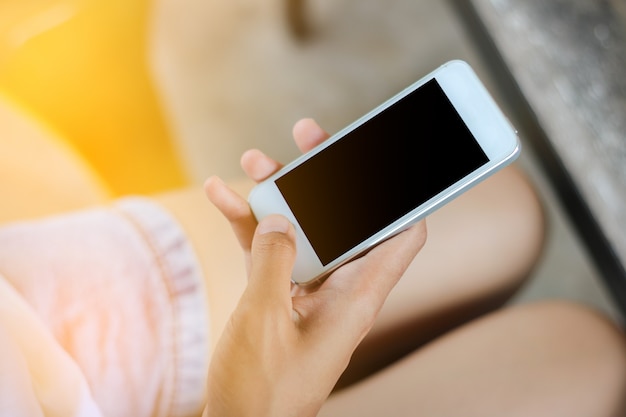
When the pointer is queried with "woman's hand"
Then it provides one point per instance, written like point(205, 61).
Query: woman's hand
point(283, 350)
point(258, 167)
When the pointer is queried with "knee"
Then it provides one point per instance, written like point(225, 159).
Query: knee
point(495, 232)
point(506, 231)
point(521, 213)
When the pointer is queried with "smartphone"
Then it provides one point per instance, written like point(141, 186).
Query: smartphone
point(388, 169)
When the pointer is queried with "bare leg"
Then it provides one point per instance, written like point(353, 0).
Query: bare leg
point(551, 359)
point(480, 249)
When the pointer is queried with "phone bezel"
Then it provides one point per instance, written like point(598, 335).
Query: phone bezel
point(484, 119)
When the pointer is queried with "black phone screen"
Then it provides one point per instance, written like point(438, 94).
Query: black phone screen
point(380, 171)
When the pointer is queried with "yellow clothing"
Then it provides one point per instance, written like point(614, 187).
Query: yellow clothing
point(81, 67)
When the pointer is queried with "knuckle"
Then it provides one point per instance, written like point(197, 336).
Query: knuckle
point(277, 245)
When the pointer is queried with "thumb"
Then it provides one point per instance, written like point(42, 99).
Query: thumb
point(273, 256)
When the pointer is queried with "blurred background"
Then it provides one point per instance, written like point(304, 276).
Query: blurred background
point(100, 99)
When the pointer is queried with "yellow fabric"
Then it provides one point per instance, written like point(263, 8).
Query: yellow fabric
point(81, 67)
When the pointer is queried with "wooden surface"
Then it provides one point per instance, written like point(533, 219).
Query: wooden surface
point(562, 65)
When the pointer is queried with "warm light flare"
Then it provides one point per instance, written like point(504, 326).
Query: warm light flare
point(81, 66)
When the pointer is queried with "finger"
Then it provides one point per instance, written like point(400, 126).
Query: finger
point(234, 208)
point(373, 276)
point(394, 256)
point(257, 165)
point(272, 260)
point(308, 134)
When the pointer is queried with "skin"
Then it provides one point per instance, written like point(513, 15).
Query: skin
point(546, 359)
point(404, 356)
point(281, 337)
point(494, 231)
point(438, 345)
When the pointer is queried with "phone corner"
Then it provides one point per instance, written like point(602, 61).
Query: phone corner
point(514, 153)
point(458, 62)
point(517, 151)
point(253, 193)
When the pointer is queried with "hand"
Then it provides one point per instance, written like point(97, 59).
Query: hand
point(258, 167)
point(283, 350)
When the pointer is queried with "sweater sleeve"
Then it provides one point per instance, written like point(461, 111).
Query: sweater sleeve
point(119, 292)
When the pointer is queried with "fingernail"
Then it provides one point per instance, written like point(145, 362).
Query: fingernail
point(270, 224)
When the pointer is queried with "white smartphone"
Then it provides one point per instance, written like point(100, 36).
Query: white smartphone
point(389, 169)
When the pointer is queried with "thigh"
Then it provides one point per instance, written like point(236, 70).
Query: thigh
point(480, 249)
point(550, 359)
